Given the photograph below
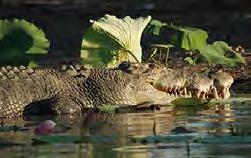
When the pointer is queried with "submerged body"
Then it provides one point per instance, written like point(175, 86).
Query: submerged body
point(26, 91)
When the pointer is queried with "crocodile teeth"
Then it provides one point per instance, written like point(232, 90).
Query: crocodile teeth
point(180, 93)
point(185, 91)
point(203, 96)
point(172, 95)
point(215, 93)
point(189, 94)
point(168, 90)
point(220, 94)
point(178, 89)
point(196, 93)
point(175, 88)
point(226, 93)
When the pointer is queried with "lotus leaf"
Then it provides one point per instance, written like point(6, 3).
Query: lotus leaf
point(110, 41)
point(21, 42)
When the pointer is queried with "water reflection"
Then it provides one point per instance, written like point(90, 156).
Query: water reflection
point(212, 119)
point(216, 119)
point(121, 125)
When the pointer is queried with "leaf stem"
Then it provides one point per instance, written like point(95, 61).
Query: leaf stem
point(133, 56)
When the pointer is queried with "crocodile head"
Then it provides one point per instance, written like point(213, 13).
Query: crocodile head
point(222, 84)
point(168, 84)
point(144, 76)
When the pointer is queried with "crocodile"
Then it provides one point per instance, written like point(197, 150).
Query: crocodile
point(46, 90)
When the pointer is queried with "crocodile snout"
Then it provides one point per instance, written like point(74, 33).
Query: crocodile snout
point(196, 85)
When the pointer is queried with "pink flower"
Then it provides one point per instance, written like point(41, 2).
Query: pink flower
point(45, 127)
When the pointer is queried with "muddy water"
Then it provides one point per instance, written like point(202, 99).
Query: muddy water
point(225, 119)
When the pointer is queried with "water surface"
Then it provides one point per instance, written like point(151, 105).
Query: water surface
point(227, 119)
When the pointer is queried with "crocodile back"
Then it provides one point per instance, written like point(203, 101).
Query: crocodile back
point(107, 86)
point(22, 86)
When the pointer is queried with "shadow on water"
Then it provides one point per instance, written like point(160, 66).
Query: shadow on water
point(229, 119)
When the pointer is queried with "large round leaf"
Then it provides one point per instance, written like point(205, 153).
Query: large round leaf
point(20, 42)
point(111, 40)
point(220, 53)
point(189, 38)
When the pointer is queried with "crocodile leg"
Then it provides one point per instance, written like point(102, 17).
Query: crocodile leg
point(20, 90)
point(66, 105)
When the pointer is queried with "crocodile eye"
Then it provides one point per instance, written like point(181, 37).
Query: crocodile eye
point(124, 65)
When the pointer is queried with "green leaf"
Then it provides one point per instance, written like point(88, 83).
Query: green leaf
point(189, 60)
point(189, 38)
point(198, 101)
point(8, 128)
point(56, 139)
point(220, 53)
point(107, 108)
point(110, 40)
point(33, 63)
point(233, 99)
point(191, 138)
point(154, 27)
point(161, 138)
point(18, 40)
point(223, 139)
point(59, 139)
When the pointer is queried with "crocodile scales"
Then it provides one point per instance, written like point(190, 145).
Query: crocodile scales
point(26, 91)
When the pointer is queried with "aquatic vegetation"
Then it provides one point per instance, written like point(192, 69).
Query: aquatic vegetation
point(107, 108)
point(220, 53)
point(9, 128)
point(21, 42)
point(191, 138)
point(188, 38)
point(110, 40)
point(56, 139)
point(45, 127)
point(195, 40)
point(161, 49)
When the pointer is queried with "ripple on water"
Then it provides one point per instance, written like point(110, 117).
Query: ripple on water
point(208, 120)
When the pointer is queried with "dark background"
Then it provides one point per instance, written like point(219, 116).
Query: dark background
point(64, 21)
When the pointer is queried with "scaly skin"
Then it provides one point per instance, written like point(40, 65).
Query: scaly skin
point(180, 81)
point(25, 91)
point(184, 82)
point(21, 87)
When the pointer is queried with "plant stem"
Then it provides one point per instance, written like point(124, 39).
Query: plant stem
point(133, 56)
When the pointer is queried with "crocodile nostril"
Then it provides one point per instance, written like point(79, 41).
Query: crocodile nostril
point(153, 65)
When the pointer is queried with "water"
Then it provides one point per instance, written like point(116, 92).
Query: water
point(225, 119)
